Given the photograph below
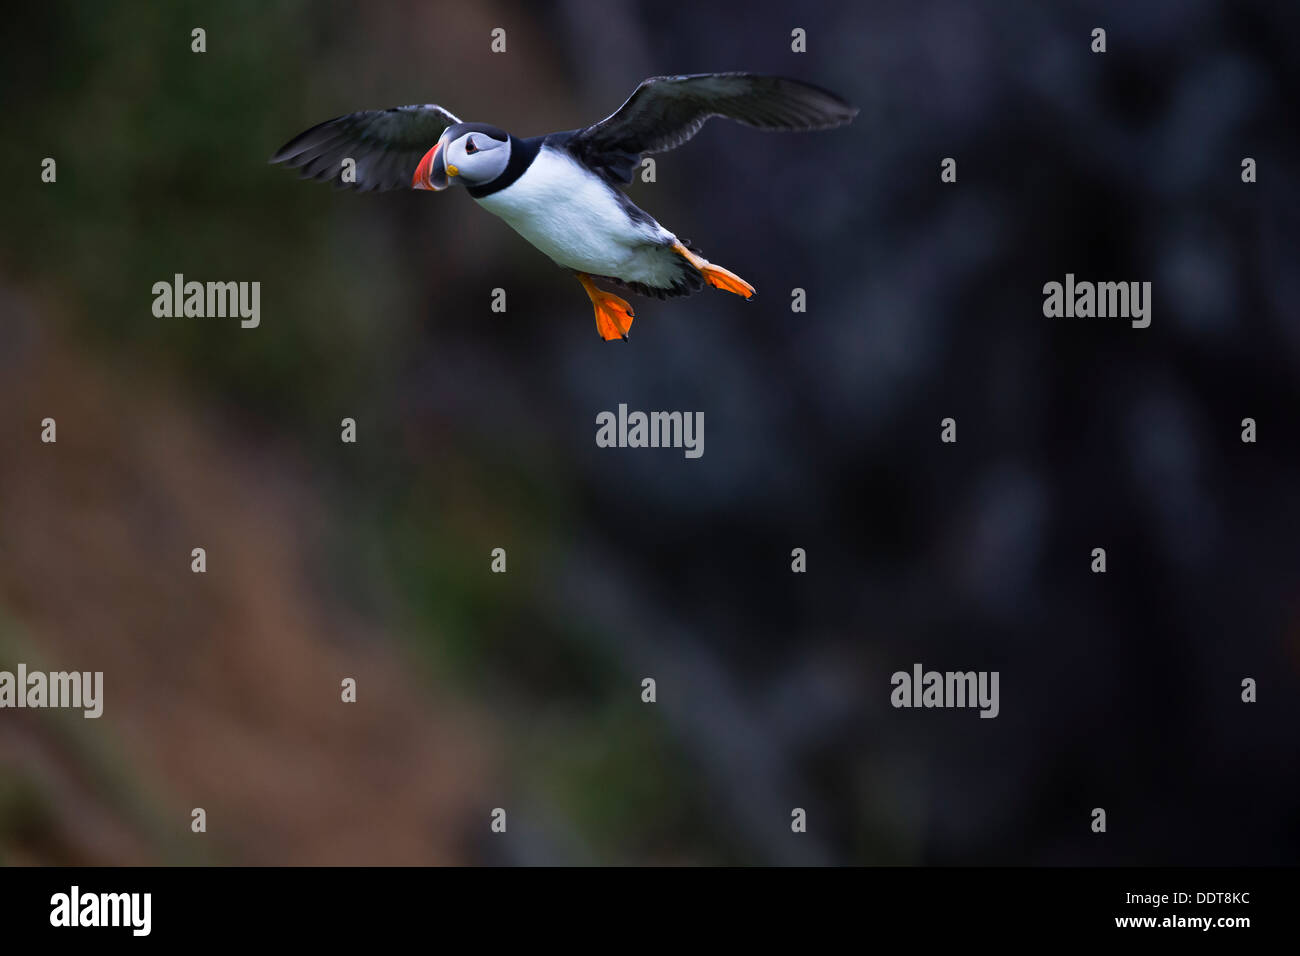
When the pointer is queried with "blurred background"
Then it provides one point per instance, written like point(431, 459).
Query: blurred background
point(476, 431)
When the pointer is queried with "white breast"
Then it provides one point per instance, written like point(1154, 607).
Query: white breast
point(574, 217)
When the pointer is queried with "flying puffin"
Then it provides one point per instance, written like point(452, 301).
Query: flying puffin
point(561, 191)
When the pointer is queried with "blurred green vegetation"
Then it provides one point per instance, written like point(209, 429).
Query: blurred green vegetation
point(162, 169)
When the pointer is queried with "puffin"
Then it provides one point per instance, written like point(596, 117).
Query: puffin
point(563, 191)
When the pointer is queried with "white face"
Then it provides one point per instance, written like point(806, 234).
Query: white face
point(476, 158)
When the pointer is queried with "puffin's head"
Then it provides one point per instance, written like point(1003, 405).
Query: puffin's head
point(473, 154)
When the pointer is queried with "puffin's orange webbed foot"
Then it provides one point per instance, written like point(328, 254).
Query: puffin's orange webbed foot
point(613, 315)
point(716, 276)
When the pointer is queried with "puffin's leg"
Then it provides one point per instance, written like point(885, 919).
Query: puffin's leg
point(715, 276)
point(613, 315)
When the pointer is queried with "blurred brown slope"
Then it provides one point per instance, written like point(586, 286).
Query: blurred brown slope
point(222, 689)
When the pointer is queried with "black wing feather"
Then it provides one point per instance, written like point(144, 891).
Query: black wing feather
point(386, 145)
point(665, 111)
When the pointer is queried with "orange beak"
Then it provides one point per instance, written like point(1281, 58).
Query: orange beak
point(430, 174)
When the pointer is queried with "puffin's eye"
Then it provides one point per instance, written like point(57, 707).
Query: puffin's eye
point(470, 148)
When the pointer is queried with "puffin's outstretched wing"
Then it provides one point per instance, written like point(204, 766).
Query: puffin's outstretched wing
point(665, 111)
point(387, 145)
